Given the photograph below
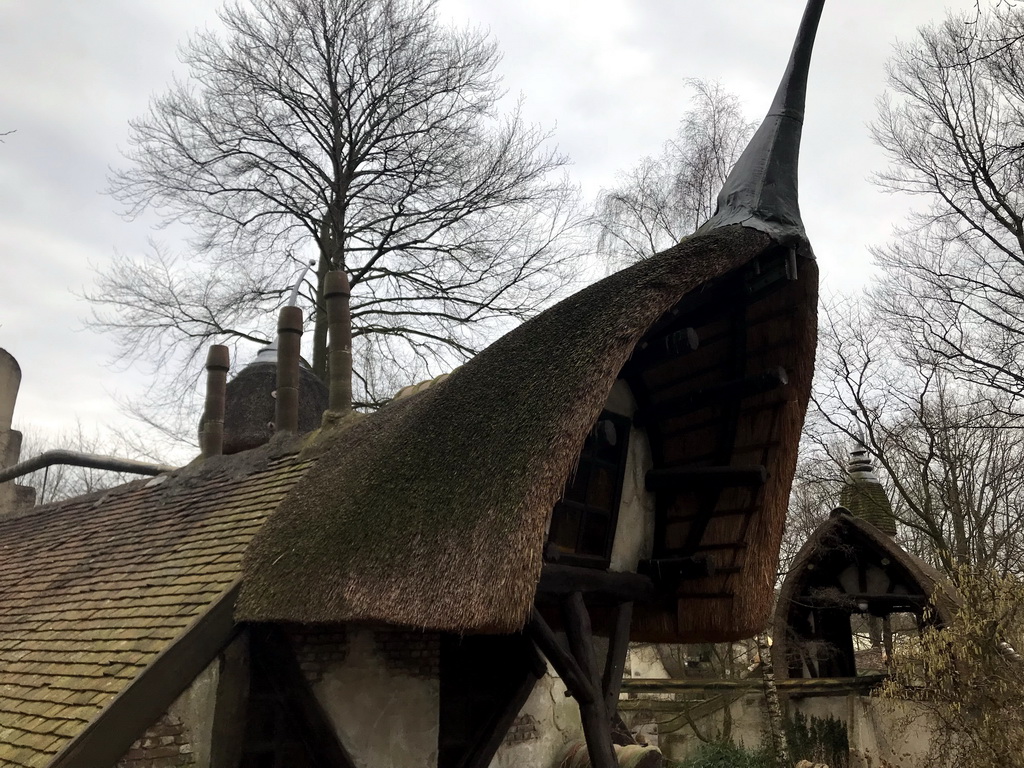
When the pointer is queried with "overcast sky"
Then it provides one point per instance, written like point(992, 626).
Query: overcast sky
point(607, 75)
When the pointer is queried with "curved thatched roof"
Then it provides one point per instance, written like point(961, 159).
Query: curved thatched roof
point(816, 580)
point(433, 511)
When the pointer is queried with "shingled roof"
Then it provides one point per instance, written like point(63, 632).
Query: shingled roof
point(94, 589)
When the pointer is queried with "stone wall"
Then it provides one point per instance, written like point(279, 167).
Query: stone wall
point(547, 724)
point(872, 725)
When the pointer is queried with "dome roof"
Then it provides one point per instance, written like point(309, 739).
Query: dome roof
point(250, 403)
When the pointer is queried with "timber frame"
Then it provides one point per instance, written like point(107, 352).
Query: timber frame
point(572, 652)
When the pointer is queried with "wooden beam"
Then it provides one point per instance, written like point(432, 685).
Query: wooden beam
point(579, 633)
point(734, 389)
point(658, 685)
point(565, 665)
point(615, 587)
point(230, 704)
point(615, 663)
point(846, 598)
point(658, 349)
point(594, 716)
point(669, 572)
point(105, 740)
point(700, 478)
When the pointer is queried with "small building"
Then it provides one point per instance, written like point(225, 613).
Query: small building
point(849, 574)
point(389, 588)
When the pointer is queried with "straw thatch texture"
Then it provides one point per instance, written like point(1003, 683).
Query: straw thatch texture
point(432, 512)
point(868, 500)
point(842, 541)
point(742, 537)
point(249, 406)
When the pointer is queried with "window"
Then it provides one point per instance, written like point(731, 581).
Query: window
point(583, 521)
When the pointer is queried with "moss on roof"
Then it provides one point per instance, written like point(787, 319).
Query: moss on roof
point(868, 500)
point(432, 512)
point(94, 588)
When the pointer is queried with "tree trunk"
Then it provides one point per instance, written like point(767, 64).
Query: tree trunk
point(776, 728)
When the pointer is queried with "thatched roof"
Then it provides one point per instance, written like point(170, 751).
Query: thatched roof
point(433, 511)
point(843, 542)
point(249, 405)
point(863, 494)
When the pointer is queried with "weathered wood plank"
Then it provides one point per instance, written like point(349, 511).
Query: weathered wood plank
point(562, 580)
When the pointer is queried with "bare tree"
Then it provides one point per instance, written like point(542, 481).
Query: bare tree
point(952, 126)
point(951, 455)
point(662, 200)
point(363, 134)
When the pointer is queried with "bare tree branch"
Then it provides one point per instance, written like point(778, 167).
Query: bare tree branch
point(364, 133)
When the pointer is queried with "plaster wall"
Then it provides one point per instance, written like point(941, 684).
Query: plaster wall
point(634, 534)
point(881, 733)
point(383, 708)
point(556, 720)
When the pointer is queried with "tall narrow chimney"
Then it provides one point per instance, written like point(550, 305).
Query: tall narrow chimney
point(339, 326)
point(218, 361)
point(289, 341)
point(12, 497)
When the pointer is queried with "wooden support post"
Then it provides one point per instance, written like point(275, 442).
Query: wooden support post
point(733, 390)
point(615, 663)
point(565, 665)
point(230, 705)
point(594, 714)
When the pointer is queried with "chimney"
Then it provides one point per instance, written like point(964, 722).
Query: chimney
point(289, 340)
point(218, 361)
point(12, 497)
point(339, 326)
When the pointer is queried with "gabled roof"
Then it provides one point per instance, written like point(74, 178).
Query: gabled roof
point(815, 580)
point(94, 589)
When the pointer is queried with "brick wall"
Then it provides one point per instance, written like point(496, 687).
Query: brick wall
point(318, 649)
point(524, 728)
point(165, 744)
point(417, 654)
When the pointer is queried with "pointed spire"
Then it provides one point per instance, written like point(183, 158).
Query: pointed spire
point(761, 190)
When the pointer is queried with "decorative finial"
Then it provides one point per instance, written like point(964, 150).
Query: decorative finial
point(268, 352)
point(761, 190)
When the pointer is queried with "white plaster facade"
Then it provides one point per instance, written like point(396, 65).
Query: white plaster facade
point(559, 726)
point(385, 717)
point(634, 534)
